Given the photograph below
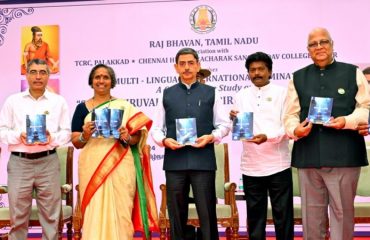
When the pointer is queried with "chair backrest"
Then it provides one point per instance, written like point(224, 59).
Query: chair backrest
point(363, 188)
point(222, 173)
point(295, 178)
point(296, 189)
point(65, 155)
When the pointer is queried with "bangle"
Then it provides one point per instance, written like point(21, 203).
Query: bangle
point(129, 139)
point(82, 139)
point(123, 143)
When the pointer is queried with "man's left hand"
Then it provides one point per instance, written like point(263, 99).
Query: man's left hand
point(337, 123)
point(363, 128)
point(258, 139)
point(48, 137)
point(203, 140)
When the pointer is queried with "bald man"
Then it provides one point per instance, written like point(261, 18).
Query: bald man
point(328, 156)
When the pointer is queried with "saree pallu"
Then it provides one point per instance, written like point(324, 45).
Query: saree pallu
point(109, 175)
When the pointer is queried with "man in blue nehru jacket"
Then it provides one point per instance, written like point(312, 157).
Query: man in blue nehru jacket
point(190, 165)
point(328, 156)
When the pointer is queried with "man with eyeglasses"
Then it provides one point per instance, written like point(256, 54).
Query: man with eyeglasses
point(34, 166)
point(38, 49)
point(328, 156)
point(192, 164)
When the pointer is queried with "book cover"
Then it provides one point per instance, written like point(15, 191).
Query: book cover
point(101, 118)
point(242, 126)
point(36, 129)
point(116, 116)
point(320, 110)
point(186, 131)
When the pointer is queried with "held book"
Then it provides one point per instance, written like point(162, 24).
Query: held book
point(116, 116)
point(243, 126)
point(186, 131)
point(36, 129)
point(107, 122)
point(320, 110)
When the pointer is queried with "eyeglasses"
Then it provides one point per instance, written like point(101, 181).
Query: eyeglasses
point(321, 43)
point(42, 73)
point(189, 63)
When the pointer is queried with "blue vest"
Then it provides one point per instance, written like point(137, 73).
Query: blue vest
point(324, 146)
point(196, 102)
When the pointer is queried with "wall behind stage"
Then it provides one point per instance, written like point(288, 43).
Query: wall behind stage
point(139, 39)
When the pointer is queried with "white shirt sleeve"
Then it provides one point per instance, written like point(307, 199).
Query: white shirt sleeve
point(63, 135)
point(7, 133)
point(361, 112)
point(221, 120)
point(159, 130)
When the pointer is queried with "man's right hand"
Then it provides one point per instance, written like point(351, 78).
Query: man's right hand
point(303, 129)
point(24, 138)
point(172, 144)
point(363, 128)
point(233, 114)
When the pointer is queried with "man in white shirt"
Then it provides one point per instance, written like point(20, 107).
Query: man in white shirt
point(265, 160)
point(34, 166)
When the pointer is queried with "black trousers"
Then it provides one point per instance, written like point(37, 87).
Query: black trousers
point(178, 187)
point(191, 232)
point(280, 189)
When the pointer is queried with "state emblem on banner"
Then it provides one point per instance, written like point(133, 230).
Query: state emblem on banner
point(203, 19)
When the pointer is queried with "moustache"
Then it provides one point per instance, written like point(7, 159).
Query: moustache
point(257, 78)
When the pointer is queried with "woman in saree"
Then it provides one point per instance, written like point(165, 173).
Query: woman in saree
point(115, 183)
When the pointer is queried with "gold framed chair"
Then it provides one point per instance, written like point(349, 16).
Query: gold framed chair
point(227, 212)
point(297, 207)
point(65, 155)
point(362, 209)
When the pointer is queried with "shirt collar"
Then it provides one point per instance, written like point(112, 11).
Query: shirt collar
point(330, 65)
point(27, 93)
point(264, 88)
point(190, 86)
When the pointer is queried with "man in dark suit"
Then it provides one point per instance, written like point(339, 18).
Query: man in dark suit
point(191, 165)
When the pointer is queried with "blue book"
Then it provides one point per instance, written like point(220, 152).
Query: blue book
point(101, 119)
point(320, 110)
point(243, 126)
point(186, 131)
point(116, 116)
point(36, 129)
